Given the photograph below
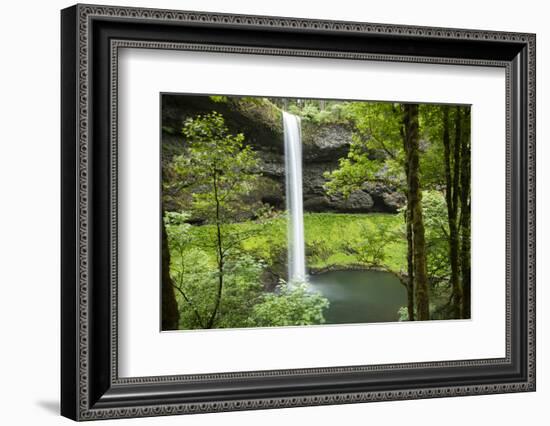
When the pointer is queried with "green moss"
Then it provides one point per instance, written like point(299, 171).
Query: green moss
point(326, 234)
point(260, 109)
point(219, 99)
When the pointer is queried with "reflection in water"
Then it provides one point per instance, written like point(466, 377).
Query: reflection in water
point(360, 296)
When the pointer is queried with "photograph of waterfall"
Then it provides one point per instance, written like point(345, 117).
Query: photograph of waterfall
point(284, 212)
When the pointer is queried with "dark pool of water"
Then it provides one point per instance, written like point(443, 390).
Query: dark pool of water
point(360, 296)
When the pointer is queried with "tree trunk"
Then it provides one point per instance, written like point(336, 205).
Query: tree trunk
point(465, 217)
point(220, 257)
point(408, 224)
point(410, 266)
point(410, 122)
point(170, 313)
point(452, 171)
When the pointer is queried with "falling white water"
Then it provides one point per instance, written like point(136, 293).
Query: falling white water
point(294, 200)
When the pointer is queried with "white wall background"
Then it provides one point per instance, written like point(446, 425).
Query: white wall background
point(29, 213)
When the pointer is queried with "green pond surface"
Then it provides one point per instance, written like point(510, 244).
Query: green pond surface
point(360, 296)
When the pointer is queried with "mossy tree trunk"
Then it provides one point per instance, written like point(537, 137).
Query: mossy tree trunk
point(452, 172)
point(465, 216)
point(410, 126)
point(409, 233)
point(410, 266)
point(169, 306)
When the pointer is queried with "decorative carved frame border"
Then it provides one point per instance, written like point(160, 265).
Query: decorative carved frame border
point(85, 13)
point(118, 44)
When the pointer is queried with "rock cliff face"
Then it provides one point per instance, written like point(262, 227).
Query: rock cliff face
point(323, 145)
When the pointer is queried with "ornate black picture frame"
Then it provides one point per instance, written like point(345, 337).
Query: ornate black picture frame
point(91, 36)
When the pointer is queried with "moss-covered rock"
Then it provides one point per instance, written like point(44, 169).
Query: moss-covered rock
point(261, 123)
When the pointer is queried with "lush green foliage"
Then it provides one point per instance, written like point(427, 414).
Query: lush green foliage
point(332, 240)
point(327, 235)
point(376, 152)
point(437, 235)
point(335, 240)
point(244, 303)
point(218, 284)
point(229, 250)
point(380, 152)
point(217, 169)
point(333, 113)
point(289, 305)
point(371, 241)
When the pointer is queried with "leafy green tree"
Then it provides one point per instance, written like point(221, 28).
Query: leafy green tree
point(219, 171)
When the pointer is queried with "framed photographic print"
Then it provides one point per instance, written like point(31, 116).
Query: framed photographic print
point(263, 212)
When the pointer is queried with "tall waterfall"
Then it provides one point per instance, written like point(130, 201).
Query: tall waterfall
point(294, 199)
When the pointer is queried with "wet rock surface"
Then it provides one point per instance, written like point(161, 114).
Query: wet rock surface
point(323, 146)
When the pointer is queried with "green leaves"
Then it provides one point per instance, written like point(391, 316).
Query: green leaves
point(376, 151)
point(373, 238)
point(217, 170)
point(217, 283)
point(288, 306)
point(176, 218)
point(318, 111)
point(244, 303)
